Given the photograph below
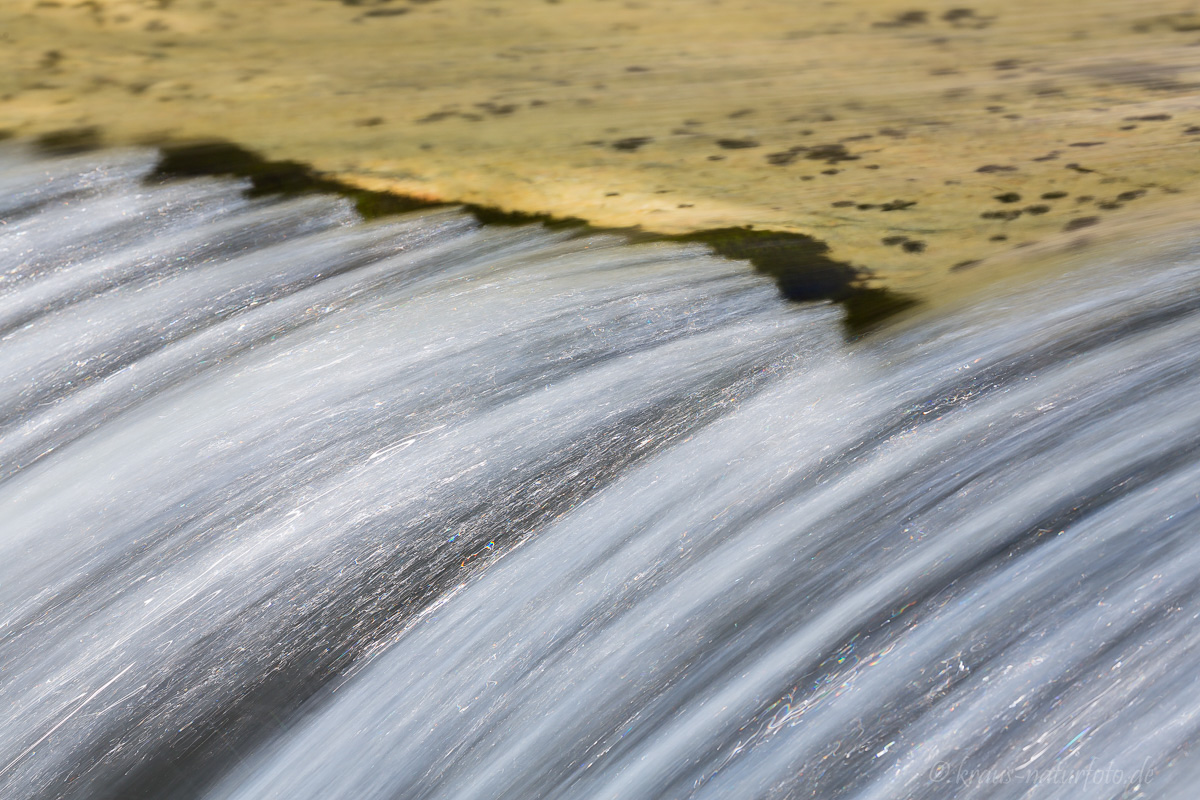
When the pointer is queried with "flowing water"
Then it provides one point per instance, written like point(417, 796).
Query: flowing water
point(298, 507)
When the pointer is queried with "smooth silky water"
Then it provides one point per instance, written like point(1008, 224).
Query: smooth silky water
point(294, 506)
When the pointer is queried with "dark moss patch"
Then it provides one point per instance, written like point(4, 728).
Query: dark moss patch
point(632, 143)
point(286, 178)
point(800, 265)
point(866, 309)
point(892, 241)
point(842, 203)
point(1006, 216)
point(1085, 144)
point(1149, 118)
point(1048, 157)
point(1133, 194)
point(1080, 222)
point(736, 144)
point(1053, 195)
point(1009, 197)
point(897, 205)
point(1109, 205)
point(991, 168)
point(69, 141)
point(494, 216)
point(1037, 210)
point(1076, 168)
point(999, 237)
point(913, 246)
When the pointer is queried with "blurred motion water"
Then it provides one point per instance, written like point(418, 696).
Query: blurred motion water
point(297, 507)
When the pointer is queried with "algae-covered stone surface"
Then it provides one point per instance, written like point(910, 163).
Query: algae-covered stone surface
point(925, 142)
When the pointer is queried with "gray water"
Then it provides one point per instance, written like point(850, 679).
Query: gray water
point(293, 506)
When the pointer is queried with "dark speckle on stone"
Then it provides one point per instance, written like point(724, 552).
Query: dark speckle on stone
point(716, 158)
point(1109, 205)
point(988, 168)
point(785, 157)
point(892, 241)
point(964, 265)
point(1080, 222)
point(1133, 194)
point(742, 112)
point(830, 171)
point(369, 122)
point(1149, 118)
point(69, 141)
point(1075, 167)
point(1006, 216)
point(913, 246)
point(1009, 197)
point(1006, 64)
point(1036, 210)
point(897, 205)
point(999, 237)
point(436, 116)
point(830, 153)
point(842, 203)
point(632, 143)
point(736, 144)
point(1086, 144)
point(1053, 195)
point(904, 19)
point(496, 109)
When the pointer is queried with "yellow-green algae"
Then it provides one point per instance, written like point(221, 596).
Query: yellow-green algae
point(928, 145)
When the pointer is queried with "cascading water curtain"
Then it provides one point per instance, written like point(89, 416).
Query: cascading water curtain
point(293, 506)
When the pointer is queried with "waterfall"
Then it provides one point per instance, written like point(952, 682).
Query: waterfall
point(294, 506)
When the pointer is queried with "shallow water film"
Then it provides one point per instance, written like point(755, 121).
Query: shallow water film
point(293, 506)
